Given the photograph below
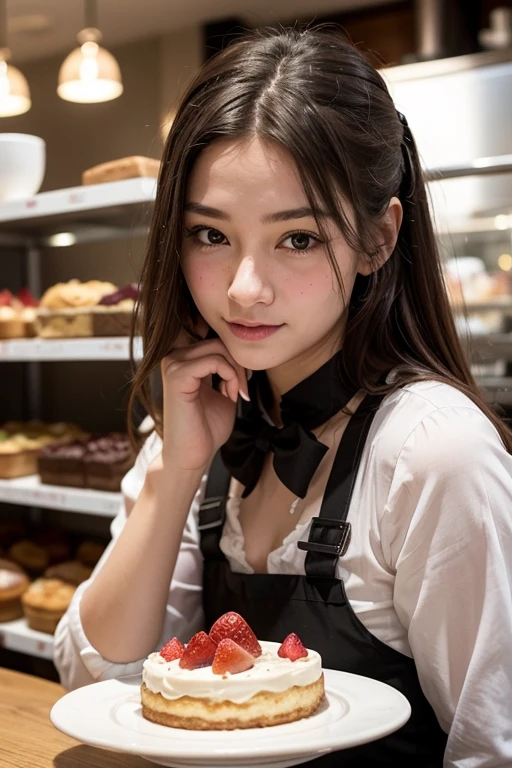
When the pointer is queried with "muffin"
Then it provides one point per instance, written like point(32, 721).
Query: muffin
point(45, 602)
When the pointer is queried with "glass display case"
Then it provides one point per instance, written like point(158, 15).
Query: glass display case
point(460, 111)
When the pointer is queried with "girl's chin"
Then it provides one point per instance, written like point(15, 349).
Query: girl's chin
point(254, 360)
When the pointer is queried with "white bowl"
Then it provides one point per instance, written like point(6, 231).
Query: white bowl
point(22, 165)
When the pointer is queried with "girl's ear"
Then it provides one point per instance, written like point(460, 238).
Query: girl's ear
point(388, 228)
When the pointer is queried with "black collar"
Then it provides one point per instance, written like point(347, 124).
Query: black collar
point(297, 452)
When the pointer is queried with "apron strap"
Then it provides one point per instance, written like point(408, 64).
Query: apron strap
point(212, 512)
point(329, 534)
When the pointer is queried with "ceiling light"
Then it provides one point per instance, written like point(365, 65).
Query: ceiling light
point(90, 73)
point(61, 239)
point(505, 262)
point(14, 90)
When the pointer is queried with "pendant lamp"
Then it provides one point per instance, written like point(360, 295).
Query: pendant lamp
point(14, 90)
point(90, 73)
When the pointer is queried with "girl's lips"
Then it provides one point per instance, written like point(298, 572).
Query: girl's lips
point(252, 333)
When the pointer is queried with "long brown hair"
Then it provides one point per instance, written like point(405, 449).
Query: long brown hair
point(314, 93)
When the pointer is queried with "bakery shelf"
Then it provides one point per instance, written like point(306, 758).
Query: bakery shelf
point(17, 636)
point(104, 348)
point(111, 210)
point(29, 491)
point(499, 304)
point(492, 346)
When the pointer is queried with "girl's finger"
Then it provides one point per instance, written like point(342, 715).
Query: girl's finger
point(213, 346)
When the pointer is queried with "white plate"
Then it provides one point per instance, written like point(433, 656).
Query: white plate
point(109, 715)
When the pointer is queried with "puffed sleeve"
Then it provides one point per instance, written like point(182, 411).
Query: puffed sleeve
point(77, 662)
point(448, 533)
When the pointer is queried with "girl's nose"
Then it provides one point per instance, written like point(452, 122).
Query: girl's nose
point(249, 286)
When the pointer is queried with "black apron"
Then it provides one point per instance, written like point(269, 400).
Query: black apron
point(315, 606)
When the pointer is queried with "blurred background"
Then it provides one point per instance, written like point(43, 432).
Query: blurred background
point(88, 89)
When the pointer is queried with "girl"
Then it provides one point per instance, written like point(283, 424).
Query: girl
point(368, 486)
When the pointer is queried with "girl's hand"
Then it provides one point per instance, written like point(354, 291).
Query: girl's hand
point(197, 420)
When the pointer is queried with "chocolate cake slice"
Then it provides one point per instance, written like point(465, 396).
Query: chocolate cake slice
point(107, 460)
point(63, 464)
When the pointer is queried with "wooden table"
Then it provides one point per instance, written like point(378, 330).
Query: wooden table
point(29, 740)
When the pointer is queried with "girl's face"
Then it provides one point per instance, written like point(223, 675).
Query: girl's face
point(252, 255)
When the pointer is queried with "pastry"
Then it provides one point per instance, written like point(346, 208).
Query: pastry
point(124, 168)
point(113, 315)
point(107, 460)
point(13, 583)
point(227, 680)
point(29, 311)
point(99, 463)
point(65, 309)
point(63, 464)
point(45, 603)
point(11, 323)
point(89, 552)
point(71, 572)
point(30, 556)
point(18, 455)
point(20, 445)
point(17, 314)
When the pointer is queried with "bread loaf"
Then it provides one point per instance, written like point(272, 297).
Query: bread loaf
point(124, 168)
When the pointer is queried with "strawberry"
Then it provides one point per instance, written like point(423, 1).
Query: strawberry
point(292, 648)
point(5, 298)
point(199, 652)
point(230, 657)
point(26, 298)
point(172, 650)
point(232, 626)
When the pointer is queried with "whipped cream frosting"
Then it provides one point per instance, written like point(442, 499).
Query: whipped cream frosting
point(269, 673)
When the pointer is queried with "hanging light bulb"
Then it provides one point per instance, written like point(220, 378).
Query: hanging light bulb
point(14, 90)
point(90, 73)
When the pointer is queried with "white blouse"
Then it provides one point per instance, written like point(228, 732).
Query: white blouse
point(428, 570)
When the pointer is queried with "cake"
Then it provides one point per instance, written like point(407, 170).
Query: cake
point(99, 463)
point(227, 679)
point(13, 583)
point(107, 460)
point(63, 464)
point(114, 313)
point(45, 602)
point(17, 314)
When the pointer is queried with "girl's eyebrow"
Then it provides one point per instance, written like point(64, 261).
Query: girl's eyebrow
point(269, 218)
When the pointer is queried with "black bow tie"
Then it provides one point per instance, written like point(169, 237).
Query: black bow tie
point(297, 452)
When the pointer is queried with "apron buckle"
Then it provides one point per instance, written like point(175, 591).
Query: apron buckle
point(327, 537)
point(211, 513)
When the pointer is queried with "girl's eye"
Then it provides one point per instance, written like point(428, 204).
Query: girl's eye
point(207, 235)
point(301, 242)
